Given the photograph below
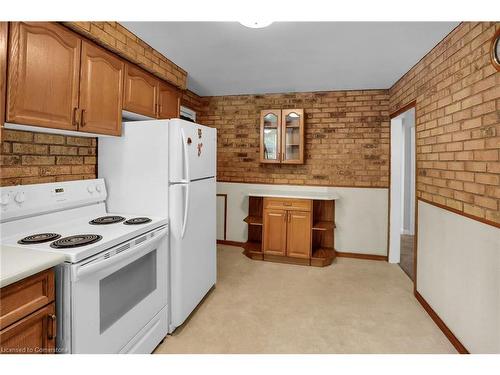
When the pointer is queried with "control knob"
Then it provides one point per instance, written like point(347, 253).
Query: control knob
point(90, 189)
point(20, 197)
point(5, 199)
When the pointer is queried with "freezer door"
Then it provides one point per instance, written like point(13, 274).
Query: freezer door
point(135, 167)
point(193, 151)
point(192, 246)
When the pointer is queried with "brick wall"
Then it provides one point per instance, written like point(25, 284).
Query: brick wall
point(346, 138)
point(118, 39)
point(27, 158)
point(457, 93)
point(30, 158)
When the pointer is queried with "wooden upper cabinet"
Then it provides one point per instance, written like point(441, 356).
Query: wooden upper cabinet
point(168, 101)
point(141, 92)
point(43, 75)
point(298, 235)
point(292, 138)
point(274, 232)
point(3, 69)
point(282, 136)
point(270, 136)
point(101, 91)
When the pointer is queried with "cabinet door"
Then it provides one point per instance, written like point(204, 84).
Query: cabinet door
point(3, 70)
point(141, 92)
point(270, 136)
point(43, 75)
point(292, 138)
point(298, 235)
point(101, 91)
point(169, 102)
point(35, 334)
point(274, 232)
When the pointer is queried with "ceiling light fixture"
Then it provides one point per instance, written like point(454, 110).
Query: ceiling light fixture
point(256, 24)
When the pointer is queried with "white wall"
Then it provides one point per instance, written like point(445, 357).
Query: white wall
point(360, 215)
point(458, 274)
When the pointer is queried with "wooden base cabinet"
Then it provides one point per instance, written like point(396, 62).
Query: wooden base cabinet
point(27, 315)
point(275, 232)
point(298, 231)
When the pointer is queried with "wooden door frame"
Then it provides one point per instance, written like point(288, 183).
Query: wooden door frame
point(403, 109)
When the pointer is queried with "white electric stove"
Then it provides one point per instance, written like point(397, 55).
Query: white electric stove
point(111, 292)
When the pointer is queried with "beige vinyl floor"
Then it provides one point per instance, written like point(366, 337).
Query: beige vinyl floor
point(352, 306)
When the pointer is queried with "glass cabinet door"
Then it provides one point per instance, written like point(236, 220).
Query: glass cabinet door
point(293, 136)
point(270, 133)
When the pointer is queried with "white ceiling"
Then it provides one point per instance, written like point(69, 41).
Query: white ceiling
point(224, 58)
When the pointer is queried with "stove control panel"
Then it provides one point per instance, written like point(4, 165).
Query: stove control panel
point(25, 200)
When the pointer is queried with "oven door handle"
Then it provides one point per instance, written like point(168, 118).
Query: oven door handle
point(135, 252)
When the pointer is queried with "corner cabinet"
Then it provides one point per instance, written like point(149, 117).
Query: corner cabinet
point(282, 136)
point(286, 230)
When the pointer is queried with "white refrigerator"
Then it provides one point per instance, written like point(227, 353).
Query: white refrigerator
point(168, 168)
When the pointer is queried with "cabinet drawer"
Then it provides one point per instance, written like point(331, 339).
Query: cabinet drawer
point(26, 296)
point(288, 204)
point(34, 334)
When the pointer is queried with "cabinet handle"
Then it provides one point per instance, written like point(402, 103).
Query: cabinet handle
point(82, 119)
point(51, 327)
point(73, 117)
point(289, 217)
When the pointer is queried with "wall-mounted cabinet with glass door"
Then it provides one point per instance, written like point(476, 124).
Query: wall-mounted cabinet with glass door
point(282, 136)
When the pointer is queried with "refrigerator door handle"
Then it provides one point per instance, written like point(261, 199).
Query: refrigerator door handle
point(186, 156)
point(186, 210)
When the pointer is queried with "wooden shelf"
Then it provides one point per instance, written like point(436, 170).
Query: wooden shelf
point(292, 144)
point(253, 220)
point(253, 250)
point(323, 225)
point(322, 257)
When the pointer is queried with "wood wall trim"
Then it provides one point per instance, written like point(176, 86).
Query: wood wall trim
point(325, 185)
point(343, 254)
point(231, 243)
point(403, 109)
point(469, 216)
point(442, 326)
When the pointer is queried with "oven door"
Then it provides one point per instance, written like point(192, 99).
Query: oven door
point(117, 293)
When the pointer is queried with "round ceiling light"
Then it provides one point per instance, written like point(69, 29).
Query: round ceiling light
point(256, 24)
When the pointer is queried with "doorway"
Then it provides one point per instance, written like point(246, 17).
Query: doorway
point(402, 191)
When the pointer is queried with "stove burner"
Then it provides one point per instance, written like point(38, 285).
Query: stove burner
point(137, 220)
point(107, 220)
point(75, 241)
point(38, 238)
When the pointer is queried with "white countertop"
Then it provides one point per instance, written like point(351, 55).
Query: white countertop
point(326, 196)
point(17, 263)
